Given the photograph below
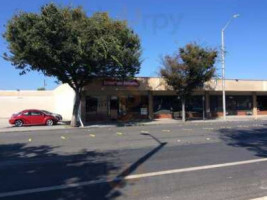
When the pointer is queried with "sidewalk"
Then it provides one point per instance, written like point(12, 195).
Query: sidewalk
point(176, 121)
point(6, 127)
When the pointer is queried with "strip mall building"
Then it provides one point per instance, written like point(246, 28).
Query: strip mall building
point(151, 98)
point(142, 98)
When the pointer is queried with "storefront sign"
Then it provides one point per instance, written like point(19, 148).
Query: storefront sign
point(130, 83)
point(143, 111)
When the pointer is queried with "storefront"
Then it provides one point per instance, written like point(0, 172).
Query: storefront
point(116, 107)
point(110, 100)
point(151, 98)
point(235, 105)
point(170, 107)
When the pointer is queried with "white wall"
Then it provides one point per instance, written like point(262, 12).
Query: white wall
point(63, 101)
point(60, 101)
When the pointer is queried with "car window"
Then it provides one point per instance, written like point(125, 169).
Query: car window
point(26, 113)
point(35, 113)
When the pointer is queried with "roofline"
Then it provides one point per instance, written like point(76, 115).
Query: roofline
point(230, 79)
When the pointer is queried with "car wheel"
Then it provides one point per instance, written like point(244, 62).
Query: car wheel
point(18, 123)
point(49, 122)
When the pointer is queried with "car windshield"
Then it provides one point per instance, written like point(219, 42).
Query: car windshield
point(17, 113)
point(46, 112)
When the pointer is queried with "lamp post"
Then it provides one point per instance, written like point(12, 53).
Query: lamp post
point(223, 64)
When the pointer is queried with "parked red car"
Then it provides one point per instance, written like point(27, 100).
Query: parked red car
point(33, 117)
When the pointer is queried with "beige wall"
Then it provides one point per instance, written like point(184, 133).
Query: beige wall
point(158, 84)
point(59, 101)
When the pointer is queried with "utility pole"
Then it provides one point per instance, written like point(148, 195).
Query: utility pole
point(223, 65)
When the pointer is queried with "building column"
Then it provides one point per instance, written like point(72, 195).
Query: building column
point(150, 106)
point(207, 106)
point(255, 106)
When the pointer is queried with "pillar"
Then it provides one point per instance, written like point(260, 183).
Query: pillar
point(207, 106)
point(255, 106)
point(150, 106)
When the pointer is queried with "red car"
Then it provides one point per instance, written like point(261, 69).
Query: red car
point(33, 117)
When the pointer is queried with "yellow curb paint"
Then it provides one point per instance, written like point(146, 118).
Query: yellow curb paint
point(144, 132)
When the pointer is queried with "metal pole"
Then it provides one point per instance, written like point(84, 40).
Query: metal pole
point(223, 65)
point(203, 106)
point(223, 77)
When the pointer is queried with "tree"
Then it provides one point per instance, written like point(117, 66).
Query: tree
point(188, 70)
point(65, 43)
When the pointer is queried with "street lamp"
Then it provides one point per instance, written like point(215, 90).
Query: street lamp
point(223, 64)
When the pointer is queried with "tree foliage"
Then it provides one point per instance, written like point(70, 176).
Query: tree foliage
point(189, 69)
point(65, 43)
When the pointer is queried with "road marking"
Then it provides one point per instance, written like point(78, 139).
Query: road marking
point(119, 133)
point(190, 169)
point(92, 135)
point(187, 129)
point(130, 177)
point(29, 139)
point(167, 131)
point(208, 128)
point(261, 198)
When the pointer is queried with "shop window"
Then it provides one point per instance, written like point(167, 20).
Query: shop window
point(233, 103)
point(262, 103)
point(195, 104)
point(135, 103)
point(166, 104)
point(216, 103)
point(91, 104)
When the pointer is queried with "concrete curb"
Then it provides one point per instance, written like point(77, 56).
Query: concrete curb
point(117, 125)
point(31, 129)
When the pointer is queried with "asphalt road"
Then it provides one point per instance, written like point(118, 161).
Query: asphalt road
point(214, 160)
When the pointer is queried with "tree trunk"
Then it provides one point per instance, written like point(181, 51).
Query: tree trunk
point(74, 119)
point(183, 110)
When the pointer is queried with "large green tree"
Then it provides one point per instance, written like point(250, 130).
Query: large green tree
point(65, 43)
point(188, 70)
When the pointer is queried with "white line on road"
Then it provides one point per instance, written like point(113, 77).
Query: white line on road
point(261, 198)
point(130, 177)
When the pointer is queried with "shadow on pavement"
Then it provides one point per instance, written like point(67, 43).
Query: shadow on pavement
point(252, 139)
point(25, 167)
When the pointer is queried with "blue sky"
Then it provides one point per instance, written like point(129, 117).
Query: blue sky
point(164, 26)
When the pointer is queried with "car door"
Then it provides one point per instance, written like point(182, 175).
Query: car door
point(26, 117)
point(36, 117)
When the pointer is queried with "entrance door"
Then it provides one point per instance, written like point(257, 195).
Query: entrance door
point(114, 107)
